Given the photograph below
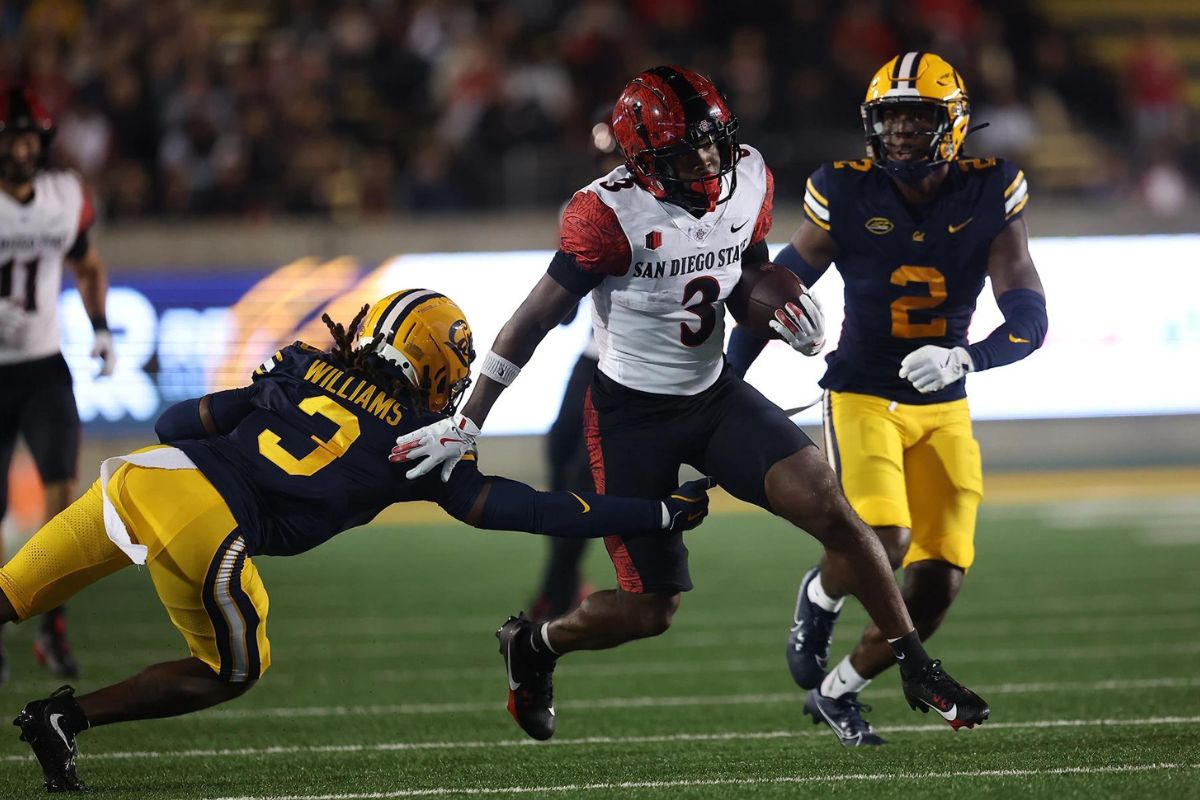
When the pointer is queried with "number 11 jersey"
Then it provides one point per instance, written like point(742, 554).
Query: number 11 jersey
point(659, 276)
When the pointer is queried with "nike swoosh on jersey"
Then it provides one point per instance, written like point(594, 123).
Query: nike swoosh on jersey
point(582, 502)
point(54, 718)
point(949, 716)
point(736, 228)
point(957, 228)
point(1018, 340)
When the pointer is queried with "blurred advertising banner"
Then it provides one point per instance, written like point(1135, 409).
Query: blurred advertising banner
point(1124, 331)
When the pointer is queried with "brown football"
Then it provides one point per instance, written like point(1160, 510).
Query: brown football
point(761, 290)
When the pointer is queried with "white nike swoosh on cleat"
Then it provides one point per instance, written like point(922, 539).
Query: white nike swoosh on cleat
point(949, 716)
point(552, 711)
point(54, 718)
point(508, 667)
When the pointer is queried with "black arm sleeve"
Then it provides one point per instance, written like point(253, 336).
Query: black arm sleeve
point(756, 253)
point(514, 506)
point(567, 273)
point(80, 247)
point(182, 420)
point(231, 406)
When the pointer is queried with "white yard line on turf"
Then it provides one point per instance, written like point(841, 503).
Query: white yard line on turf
point(668, 702)
point(446, 791)
point(591, 741)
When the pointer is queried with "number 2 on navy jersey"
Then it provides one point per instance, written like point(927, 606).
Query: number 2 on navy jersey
point(709, 290)
point(930, 297)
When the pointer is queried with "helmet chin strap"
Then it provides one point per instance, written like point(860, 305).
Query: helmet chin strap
point(909, 171)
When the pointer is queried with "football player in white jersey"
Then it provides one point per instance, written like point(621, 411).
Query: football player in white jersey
point(660, 242)
point(45, 216)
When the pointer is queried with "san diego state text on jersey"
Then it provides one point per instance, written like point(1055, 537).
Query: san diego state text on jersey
point(659, 275)
point(310, 460)
point(909, 281)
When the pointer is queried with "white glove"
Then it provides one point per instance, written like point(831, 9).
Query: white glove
point(102, 348)
point(13, 321)
point(801, 326)
point(930, 368)
point(444, 442)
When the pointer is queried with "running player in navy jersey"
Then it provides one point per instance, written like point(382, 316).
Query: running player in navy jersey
point(914, 230)
point(277, 468)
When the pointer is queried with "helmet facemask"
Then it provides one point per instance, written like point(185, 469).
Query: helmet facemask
point(926, 135)
point(661, 166)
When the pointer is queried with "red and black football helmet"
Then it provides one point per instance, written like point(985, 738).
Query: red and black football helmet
point(664, 113)
point(22, 112)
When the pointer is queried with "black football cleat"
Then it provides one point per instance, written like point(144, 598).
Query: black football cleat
point(50, 647)
point(932, 687)
point(49, 727)
point(844, 716)
point(808, 641)
point(530, 679)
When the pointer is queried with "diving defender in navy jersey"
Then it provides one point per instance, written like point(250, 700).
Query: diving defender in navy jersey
point(277, 468)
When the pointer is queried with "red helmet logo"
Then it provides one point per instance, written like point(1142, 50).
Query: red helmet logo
point(668, 112)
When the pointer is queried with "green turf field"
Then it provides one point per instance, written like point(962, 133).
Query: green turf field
point(1080, 625)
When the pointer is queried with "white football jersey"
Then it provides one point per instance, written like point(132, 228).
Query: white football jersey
point(660, 326)
point(34, 237)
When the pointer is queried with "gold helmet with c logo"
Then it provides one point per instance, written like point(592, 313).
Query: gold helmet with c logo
point(426, 336)
point(927, 81)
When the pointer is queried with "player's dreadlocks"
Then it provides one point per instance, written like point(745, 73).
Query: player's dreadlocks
point(365, 363)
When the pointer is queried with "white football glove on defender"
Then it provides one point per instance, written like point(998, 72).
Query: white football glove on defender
point(930, 368)
point(801, 326)
point(444, 442)
point(13, 321)
point(102, 348)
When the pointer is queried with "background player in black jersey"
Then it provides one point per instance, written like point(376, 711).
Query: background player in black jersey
point(46, 217)
point(276, 468)
point(914, 230)
point(660, 242)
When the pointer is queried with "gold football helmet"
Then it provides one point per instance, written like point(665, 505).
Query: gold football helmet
point(926, 84)
point(424, 334)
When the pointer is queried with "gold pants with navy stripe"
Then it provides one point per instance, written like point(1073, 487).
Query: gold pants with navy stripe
point(196, 559)
point(909, 466)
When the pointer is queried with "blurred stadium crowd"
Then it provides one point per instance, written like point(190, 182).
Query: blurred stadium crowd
point(344, 108)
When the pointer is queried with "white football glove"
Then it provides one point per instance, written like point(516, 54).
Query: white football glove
point(801, 326)
point(444, 442)
point(102, 348)
point(13, 322)
point(930, 368)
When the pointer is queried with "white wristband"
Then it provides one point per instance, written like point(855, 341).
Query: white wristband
point(500, 369)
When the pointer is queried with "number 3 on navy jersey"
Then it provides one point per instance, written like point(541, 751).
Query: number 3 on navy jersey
point(325, 451)
point(930, 297)
point(709, 290)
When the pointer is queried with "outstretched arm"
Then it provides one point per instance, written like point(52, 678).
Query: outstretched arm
point(495, 503)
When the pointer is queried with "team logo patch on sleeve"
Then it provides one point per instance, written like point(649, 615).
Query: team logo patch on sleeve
point(879, 225)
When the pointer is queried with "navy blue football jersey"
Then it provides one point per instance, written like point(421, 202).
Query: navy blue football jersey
point(310, 459)
point(909, 281)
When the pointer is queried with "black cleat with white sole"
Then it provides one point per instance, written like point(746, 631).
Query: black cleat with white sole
point(932, 687)
point(49, 727)
point(844, 716)
point(530, 678)
point(808, 641)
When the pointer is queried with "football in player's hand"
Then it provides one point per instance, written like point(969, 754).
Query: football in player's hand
point(762, 289)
